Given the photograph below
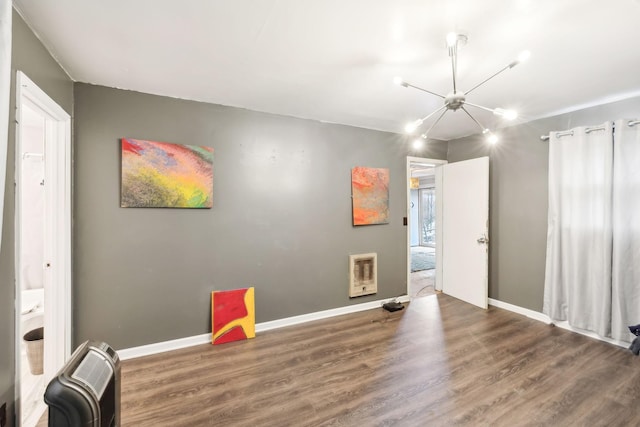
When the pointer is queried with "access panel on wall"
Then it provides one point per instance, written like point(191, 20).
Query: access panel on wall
point(166, 175)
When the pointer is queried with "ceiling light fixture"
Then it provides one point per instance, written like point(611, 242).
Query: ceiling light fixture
point(458, 99)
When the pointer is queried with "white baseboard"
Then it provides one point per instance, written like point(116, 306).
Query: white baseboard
point(160, 347)
point(319, 315)
point(560, 324)
point(541, 317)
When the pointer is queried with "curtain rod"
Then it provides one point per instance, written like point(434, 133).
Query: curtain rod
point(587, 130)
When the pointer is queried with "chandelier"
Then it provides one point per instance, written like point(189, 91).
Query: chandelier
point(457, 100)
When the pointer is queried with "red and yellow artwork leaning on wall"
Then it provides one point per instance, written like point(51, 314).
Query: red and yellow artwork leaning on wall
point(233, 315)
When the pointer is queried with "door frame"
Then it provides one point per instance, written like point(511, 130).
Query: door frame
point(57, 226)
point(435, 163)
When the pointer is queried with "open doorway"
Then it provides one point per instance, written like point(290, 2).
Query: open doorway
point(42, 245)
point(31, 261)
point(423, 236)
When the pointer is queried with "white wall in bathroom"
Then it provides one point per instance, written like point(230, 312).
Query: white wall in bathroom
point(32, 314)
point(32, 223)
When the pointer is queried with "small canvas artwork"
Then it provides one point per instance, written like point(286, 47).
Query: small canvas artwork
point(166, 175)
point(370, 195)
point(233, 315)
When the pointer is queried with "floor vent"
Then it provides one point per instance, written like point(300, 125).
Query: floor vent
point(363, 274)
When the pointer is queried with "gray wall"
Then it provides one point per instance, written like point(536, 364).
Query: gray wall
point(281, 219)
point(30, 57)
point(518, 198)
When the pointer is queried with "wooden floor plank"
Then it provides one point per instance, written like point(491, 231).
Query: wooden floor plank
point(439, 362)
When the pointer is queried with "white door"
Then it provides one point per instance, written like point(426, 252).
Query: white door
point(465, 230)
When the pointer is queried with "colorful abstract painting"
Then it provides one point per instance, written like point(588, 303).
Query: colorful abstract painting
point(370, 195)
point(165, 175)
point(233, 315)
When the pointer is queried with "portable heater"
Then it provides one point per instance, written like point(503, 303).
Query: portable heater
point(86, 391)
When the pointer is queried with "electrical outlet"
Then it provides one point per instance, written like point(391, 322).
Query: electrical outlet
point(3, 415)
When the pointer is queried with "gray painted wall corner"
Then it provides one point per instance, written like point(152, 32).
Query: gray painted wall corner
point(519, 197)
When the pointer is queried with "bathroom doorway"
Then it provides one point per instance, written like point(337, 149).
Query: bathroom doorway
point(423, 237)
point(42, 245)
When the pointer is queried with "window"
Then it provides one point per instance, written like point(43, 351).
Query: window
point(427, 216)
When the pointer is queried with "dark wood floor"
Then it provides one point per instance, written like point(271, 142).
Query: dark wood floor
point(439, 362)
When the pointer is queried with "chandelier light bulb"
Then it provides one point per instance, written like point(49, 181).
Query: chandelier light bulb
point(524, 55)
point(507, 114)
point(398, 80)
point(411, 127)
point(492, 138)
point(510, 114)
point(418, 143)
point(452, 38)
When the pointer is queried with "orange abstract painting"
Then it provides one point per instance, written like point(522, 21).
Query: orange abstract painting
point(370, 195)
point(233, 315)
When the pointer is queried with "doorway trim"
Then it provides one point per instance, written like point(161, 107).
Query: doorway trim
point(57, 227)
point(438, 176)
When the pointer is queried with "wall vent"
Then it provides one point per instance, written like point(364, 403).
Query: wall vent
point(363, 274)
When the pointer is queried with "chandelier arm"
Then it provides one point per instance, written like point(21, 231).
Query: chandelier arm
point(434, 123)
point(474, 119)
point(479, 106)
point(453, 53)
point(424, 90)
point(489, 78)
point(431, 114)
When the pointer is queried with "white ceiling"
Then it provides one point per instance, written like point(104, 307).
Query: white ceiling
point(334, 60)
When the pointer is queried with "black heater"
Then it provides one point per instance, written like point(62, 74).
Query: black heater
point(86, 391)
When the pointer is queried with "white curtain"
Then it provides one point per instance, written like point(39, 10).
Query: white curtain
point(5, 83)
point(579, 237)
point(626, 230)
